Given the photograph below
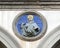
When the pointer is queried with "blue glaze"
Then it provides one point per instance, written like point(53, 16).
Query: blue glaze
point(24, 19)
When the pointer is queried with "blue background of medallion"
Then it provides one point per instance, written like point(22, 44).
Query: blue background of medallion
point(24, 19)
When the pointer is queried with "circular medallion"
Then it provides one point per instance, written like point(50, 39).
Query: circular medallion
point(29, 26)
point(7, 40)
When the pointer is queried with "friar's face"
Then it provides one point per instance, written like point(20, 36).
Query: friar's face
point(30, 17)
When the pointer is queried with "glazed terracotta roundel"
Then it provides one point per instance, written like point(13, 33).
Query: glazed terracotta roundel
point(29, 26)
